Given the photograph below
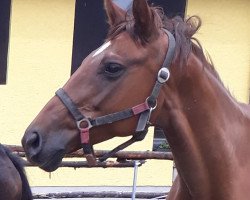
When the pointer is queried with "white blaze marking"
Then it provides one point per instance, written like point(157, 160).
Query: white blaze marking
point(102, 48)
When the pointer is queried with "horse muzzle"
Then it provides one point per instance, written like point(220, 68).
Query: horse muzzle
point(47, 159)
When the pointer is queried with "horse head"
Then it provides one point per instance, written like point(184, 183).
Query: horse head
point(118, 75)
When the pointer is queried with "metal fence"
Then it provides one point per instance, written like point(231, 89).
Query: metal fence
point(133, 159)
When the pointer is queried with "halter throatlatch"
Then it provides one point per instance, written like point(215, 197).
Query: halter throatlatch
point(84, 124)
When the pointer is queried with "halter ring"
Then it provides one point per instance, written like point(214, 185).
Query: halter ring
point(84, 124)
point(153, 107)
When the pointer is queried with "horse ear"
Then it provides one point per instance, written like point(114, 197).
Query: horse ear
point(115, 13)
point(144, 20)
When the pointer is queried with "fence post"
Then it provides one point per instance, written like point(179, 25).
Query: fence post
point(174, 173)
point(136, 164)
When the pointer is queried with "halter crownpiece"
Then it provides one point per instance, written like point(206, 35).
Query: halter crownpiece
point(84, 124)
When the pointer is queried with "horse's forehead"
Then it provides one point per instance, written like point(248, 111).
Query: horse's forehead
point(102, 48)
point(119, 45)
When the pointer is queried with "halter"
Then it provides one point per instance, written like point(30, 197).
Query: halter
point(84, 124)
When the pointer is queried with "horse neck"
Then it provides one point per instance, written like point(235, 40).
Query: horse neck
point(199, 127)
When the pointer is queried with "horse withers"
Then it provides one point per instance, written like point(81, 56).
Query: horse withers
point(13, 181)
point(133, 81)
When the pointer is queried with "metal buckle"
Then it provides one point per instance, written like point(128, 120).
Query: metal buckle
point(150, 107)
point(163, 75)
point(85, 126)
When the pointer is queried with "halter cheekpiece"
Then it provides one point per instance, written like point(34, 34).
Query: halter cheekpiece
point(84, 124)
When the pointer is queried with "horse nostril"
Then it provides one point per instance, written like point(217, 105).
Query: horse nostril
point(33, 140)
point(32, 144)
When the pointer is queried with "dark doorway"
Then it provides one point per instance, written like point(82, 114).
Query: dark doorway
point(90, 29)
point(4, 38)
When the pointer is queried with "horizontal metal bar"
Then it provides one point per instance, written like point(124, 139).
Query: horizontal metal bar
point(84, 164)
point(103, 194)
point(130, 155)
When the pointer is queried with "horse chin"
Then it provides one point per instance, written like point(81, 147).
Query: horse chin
point(53, 162)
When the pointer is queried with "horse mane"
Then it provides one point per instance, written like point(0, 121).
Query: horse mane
point(19, 165)
point(182, 29)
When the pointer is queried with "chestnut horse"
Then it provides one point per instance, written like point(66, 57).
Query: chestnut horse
point(123, 87)
point(13, 181)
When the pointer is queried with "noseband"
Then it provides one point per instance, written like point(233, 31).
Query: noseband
point(84, 124)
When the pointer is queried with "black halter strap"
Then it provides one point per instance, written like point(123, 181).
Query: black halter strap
point(84, 124)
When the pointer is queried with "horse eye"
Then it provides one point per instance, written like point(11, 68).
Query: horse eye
point(113, 70)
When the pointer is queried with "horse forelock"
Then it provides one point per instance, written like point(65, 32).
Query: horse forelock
point(128, 25)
